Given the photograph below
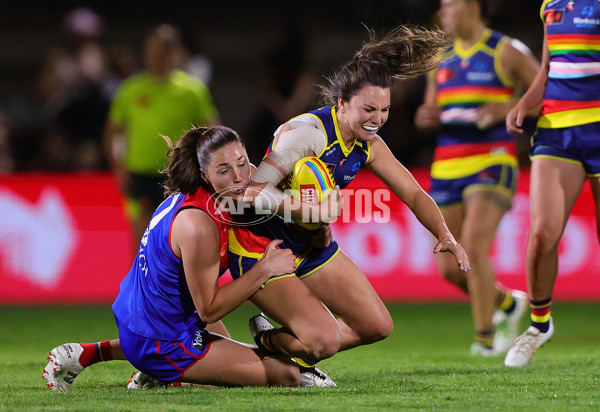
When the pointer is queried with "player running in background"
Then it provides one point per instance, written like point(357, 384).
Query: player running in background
point(474, 171)
point(342, 134)
point(565, 151)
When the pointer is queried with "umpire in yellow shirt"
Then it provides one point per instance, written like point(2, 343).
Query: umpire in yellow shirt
point(159, 101)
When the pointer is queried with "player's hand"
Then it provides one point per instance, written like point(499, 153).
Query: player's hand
point(277, 261)
point(515, 118)
point(331, 206)
point(321, 238)
point(450, 245)
point(427, 117)
point(491, 114)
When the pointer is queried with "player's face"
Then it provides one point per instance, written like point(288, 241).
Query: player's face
point(229, 171)
point(452, 13)
point(366, 111)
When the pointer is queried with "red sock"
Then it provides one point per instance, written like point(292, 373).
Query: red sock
point(95, 352)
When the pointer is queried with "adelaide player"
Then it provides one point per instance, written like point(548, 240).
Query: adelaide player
point(475, 167)
point(565, 150)
point(343, 135)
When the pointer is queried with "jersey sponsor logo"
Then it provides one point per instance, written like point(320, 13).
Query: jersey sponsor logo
point(445, 74)
point(480, 76)
point(586, 19)
point(327, 153)
point(554, 16)
point(356, 167)
point(348, 177)
point(200, 340)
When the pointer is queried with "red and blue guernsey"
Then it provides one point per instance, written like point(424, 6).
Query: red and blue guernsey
point(154, 300)
point(466, 80)
point(572, 95)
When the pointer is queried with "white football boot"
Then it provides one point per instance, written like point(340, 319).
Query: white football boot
point(63, 366)
point(139, 380)
point(526, 345)
point(508, 325)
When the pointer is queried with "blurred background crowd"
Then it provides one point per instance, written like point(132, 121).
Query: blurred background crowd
point(63, 61)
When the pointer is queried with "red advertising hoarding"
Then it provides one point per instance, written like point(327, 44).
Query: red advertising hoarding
point(65, 239)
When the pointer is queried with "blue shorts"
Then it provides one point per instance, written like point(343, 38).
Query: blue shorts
point(497, 178)
point(306, 264)
point(578, 144)
point(161, 359)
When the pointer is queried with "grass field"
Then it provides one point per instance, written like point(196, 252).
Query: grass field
point(423, 365)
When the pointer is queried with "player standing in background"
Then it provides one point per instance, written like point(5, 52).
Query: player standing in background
point(160, 101)
point(343, 135)
point(565, 150)
point(475, 167)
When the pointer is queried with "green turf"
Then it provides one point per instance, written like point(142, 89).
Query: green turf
point(423, 365)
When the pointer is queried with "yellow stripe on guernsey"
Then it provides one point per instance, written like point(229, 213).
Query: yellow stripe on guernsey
point(569, 118)
point(465, 166)
point(478, 94)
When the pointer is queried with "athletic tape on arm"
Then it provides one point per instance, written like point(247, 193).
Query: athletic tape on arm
point(291, 146)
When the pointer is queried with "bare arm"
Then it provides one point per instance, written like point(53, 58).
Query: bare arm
point(427, 117)
point(533, 97)
point(195, 239)
point(290, 146)
point(399, 180)
point(520, 66)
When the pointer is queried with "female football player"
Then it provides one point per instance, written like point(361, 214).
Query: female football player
point(171, 292)
point(564, 154)
point(342, 134)
point(475, 167)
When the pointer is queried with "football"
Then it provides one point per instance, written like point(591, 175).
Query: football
point(310, 182)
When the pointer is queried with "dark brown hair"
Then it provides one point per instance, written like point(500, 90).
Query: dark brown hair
point(405, 52)
point(192, 155)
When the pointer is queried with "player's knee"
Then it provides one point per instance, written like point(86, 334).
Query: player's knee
point(376, 329)
point(543, 239)
point(326, 344)
point(478, 257)
point(453, 274)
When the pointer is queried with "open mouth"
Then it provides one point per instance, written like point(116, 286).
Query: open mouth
point(370, 128)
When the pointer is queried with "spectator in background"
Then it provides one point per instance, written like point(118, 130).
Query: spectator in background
point(474, 171)
point(287, 87)
point(70, 89)
point(161, 100)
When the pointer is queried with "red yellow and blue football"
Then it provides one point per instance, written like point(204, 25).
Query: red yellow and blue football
point(310, 182)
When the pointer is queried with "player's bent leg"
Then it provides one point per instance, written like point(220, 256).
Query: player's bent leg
point(231, 363)
point(345, 290)
point(309, 330)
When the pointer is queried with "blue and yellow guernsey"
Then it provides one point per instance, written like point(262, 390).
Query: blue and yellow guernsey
point(572, 95)
point(466, 80)
point(344, 163)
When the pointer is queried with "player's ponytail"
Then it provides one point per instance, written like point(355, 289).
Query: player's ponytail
point(405, 52)
point(189, 159)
